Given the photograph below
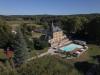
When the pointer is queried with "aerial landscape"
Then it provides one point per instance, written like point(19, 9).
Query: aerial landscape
point(49, 37)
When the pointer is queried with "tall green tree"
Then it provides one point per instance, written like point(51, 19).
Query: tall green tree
point(27, 33)
point(83, 26)
point(76, 24)
point(72, 25)
point(5, 34)
point(20, 46)
point(40, 44)
point(94, 28)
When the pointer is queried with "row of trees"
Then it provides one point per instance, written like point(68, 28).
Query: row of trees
point(84, 27)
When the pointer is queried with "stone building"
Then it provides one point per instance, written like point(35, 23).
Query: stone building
point(55, 35)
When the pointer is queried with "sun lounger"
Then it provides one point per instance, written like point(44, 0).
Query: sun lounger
point(78, 52)
point(82, 49)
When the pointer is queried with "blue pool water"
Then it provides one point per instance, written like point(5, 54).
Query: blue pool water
point(70, 47)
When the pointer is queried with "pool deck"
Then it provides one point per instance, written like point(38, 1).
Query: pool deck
point(62, 53)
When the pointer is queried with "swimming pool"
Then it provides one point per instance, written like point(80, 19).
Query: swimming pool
point(70, 47)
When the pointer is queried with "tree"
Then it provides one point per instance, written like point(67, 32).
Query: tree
point(39, 43)
point(5, 34)
point(26, 29)
point(94, 29)
point(84, 22)
point(72, 25)
point(76, 24)
point(20, 46)
point(27, 33)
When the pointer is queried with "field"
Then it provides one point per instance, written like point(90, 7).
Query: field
point(93, 53)
point(2, 55)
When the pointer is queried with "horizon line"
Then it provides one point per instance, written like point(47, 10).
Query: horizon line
point(46, 14)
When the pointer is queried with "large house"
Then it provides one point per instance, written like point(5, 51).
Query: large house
point(56, 36)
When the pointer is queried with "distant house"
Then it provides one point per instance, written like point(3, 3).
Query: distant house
point(9, 52)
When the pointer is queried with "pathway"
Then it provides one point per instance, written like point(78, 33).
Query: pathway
point(50, 51)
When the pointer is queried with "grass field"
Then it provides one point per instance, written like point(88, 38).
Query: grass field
point(18, 22)
point(37, 52)
point(2, 55)
point(93, 51)
point(36, 35)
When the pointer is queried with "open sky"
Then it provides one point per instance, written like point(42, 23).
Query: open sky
point(54, 7)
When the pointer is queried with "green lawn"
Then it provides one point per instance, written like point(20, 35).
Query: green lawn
point(36, 35)
point(18, 22)
point(37, 52)
point(93, 51)
point(2, 55)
